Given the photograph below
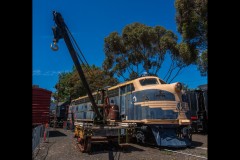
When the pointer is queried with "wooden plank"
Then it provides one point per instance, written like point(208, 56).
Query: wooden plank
point(154, 121)
point(131, 121)
point(160, 121)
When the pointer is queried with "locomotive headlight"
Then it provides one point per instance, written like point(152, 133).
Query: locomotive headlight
point(178, 86)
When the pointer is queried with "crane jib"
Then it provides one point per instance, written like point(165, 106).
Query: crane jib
point(59, 32)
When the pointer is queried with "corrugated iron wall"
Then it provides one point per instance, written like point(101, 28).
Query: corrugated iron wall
point(41, 99)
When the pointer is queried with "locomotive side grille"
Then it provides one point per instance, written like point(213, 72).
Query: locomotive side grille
point(164, 105)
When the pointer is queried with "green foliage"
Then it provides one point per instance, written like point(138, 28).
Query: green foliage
point(192, 23)
point(203, 63)
point(70, 85)
point(139, 48)
point(63, 86)
point(187, 54)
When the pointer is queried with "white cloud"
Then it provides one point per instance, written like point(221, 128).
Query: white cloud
point(46, 73)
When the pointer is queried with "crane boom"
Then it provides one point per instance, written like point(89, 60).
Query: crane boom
point(60, 31)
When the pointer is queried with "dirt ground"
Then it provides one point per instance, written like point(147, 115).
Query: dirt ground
point(62, 146)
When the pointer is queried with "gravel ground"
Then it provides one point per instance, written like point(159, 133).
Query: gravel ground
point(62, 146)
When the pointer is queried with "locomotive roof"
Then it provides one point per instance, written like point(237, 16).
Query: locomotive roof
point(119, 85)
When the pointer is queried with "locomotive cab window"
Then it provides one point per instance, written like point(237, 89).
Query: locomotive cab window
point(162, 82)
point(148, 81)
point(126, 89)
point(130, 88)
point(113, 92)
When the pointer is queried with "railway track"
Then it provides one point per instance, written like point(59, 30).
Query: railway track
point(204, 148)
point(188, 154)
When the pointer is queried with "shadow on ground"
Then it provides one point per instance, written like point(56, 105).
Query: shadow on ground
point(98, 148)
point(193, 145)
point(196, 144)
point(56, 134)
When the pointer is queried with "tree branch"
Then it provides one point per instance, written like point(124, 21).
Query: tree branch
point(168, 70)
point(176, 74)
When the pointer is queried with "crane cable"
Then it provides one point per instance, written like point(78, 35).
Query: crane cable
point(87, 66)
point(83, 63)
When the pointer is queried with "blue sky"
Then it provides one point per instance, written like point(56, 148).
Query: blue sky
point(90, 21)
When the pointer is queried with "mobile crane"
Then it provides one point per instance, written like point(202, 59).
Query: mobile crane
point(99, 129)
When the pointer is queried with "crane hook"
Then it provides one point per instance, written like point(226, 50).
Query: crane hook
point(54, 46)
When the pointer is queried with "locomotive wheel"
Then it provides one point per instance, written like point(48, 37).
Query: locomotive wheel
point(140, 137)
point(84, 144)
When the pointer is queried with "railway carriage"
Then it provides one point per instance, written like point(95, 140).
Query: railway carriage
point(198, 105)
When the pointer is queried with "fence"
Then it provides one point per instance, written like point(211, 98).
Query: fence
point(37, 136)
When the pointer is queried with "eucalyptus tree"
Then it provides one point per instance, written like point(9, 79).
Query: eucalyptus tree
point(192, 24)
point(142, 48)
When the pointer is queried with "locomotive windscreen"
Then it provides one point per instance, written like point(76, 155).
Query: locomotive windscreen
point(148, 81)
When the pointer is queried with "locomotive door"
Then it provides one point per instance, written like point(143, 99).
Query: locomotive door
point(126, 107)
point(122, 101)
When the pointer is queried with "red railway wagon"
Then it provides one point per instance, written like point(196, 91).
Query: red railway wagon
point(41, 99)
